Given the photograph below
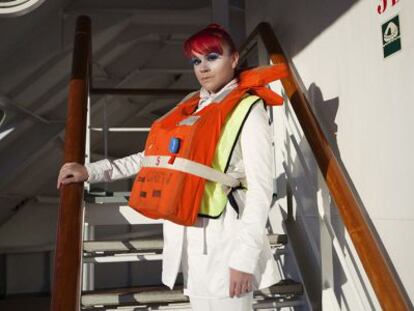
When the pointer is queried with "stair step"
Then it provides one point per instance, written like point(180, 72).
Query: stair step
point(276, 303)
point(142, 256)
point(268, 304)
point(153, 243)
point(265, 298)
point(134, 257)
point(141, 295)
point(277, 239)
point(182, 306)
point(129, 257)
point(283, 287)
point(106, 197)
point(115, 213)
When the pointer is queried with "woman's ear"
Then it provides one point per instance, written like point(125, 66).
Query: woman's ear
point(235, 60)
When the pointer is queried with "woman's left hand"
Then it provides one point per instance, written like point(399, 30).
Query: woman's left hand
point(240, 282)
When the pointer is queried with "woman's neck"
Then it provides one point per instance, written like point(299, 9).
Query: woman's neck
point(213, 93)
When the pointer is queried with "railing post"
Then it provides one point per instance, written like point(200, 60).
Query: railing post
point(66, 285)
point(329, 301)
point(88, 269)
point(263, 60)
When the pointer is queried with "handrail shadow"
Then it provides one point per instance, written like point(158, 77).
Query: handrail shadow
point(389, 291)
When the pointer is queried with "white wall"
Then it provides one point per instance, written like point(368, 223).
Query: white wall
point(363, 101)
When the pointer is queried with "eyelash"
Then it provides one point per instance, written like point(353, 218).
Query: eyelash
point(210, 57)
point(195, 61)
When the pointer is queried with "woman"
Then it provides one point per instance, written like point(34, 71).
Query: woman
point(223, 259)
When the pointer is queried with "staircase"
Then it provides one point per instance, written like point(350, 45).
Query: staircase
point(78, 219)
point(111, 208)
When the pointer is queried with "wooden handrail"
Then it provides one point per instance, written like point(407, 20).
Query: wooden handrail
point(67, 272)
point(388, 291)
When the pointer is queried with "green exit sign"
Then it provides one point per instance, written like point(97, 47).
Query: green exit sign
point(391, 36)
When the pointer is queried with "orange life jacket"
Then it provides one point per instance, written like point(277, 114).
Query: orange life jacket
point(188, 137)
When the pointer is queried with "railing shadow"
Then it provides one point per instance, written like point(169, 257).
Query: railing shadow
point(303, 176)
point(326, 111)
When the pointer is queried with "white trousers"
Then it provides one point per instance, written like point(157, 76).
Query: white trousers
point(243, 303)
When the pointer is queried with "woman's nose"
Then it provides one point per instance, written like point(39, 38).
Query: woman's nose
point(204, 67)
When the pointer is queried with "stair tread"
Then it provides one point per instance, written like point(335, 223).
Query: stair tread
point(147, 294)
point(106, 197)
point(266, 304)
point(153, 243)
point(162, 294)
point(140, 256)
point(284, 286)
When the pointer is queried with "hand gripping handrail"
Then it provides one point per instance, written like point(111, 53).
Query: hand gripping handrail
point(66, 286)
point(67, 270)
point(388, 291)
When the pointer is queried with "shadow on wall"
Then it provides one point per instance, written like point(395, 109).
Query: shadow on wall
point(325, 111)
point(305, 21)
point(307, 232)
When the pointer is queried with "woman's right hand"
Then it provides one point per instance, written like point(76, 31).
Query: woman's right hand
point(72, 172)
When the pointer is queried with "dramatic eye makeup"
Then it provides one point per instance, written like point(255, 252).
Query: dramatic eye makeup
point(212, 56)
point(195, 60)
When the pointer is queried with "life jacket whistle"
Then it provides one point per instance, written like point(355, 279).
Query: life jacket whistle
point(174, 144)
point(183, 174)
point(173, 147)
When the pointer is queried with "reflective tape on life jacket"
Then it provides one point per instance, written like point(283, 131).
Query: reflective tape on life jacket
point(191, 167)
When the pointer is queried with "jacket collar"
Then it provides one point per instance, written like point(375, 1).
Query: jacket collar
point(206, 96)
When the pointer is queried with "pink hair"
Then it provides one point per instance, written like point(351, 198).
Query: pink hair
point(207, 40)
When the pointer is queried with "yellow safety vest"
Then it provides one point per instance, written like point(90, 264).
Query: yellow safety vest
point(215, 199)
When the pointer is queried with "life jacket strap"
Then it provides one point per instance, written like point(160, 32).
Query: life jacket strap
point(191, 167)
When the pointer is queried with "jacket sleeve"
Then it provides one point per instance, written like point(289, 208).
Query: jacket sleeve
point(106, 170)
point(256, 147)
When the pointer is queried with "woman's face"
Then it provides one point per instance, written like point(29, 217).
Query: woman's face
point(214, 70)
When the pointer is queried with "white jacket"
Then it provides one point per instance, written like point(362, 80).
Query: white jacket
point(241, 243)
